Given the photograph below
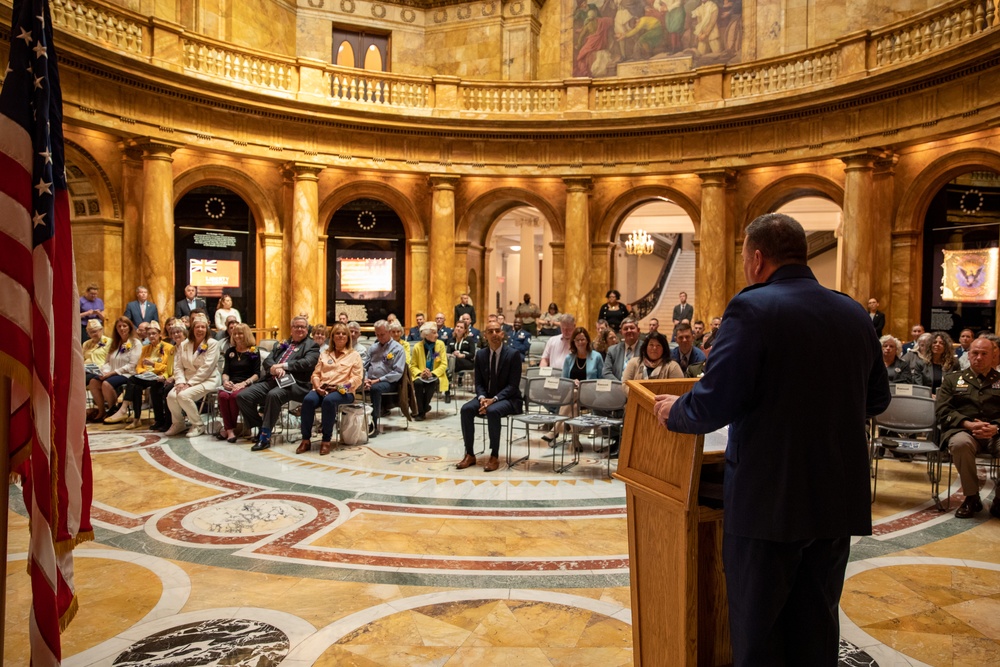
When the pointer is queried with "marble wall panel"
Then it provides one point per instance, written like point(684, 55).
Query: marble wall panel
point(266, 25)
point(555, 44)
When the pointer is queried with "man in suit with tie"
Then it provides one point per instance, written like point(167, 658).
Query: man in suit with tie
point(498, 394)
point(295, 358)
point(619, 354)
point(142, 309)
point(686, 354)
point(190, 301)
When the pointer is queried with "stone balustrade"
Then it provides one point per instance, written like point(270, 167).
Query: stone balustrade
point(932, 31)
point(850, 58)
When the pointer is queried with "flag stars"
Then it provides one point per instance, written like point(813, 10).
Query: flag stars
point(26, 36)
point(43, 187)
point(39, 219)
point(40, 51)
point(47, 154)
point(38, 82)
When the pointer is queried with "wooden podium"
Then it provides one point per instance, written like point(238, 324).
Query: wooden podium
point(679, 607)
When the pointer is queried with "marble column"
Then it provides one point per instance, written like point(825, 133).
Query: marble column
point(322, 317)
point(304, 237)
point(716, 246)
point(558, 275)
point(132, 179)
point(858, 232)
point(546, 297)
point(271, 280)
point(443, 296)
point(578, 249)
point(528, 278)
point(883, 184)
point(417, 297)
point(157, 236)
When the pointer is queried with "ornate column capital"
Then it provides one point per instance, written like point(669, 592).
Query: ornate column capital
point(579, 184)
point(862, 159)
point(444, 181)
point(150, 148)
point(717, 178)
point(302, 171)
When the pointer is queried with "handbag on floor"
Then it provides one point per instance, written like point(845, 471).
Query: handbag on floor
point(355, 424)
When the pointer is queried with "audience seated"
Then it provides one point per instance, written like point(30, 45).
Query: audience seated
point(157, 359)
point(95, 350)
point(938, 362)
point(224, 336)
point(140, 333)
point(653, 361)
point(916, 331)
point(481, 340)
point(358, 347)
point(582, 363)
point(619, 355)
point(319, 333)
point(472, 331)
point(605, 340)
point(142, 309)
point(444, 333)
point(396, 331)
point(241, 368)
point(190, 302)
point(463, 348)
point(286, 377)
point(686, 353)
point(428, 368)
point(557, 348)
point(968, 414)
point(965, 338)
point(508, 329)
point(548, 322)
point(414, 335)
point(519, 339)
point(177, 333)
point(384, 369)
point(498, 394)
point(337, 375)
point(120, 363)
point(709, 339)
point(698, 330)
point(196, 369)
point(224, 312)
point(892, 357)
point(654, 326)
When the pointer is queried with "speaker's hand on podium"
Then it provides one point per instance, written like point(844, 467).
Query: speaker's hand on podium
point(662, 408)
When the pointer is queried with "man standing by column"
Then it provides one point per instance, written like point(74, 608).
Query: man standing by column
point(796, 482)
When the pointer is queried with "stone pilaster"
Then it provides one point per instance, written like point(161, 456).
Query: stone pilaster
point(271, 281)
point(157, 236)
point(419, 281)
point(132, 180)
point(304, 239)
point(883, 184)
point(443, 296)
point(716, 246)
point(577, 301)
point(858, 229)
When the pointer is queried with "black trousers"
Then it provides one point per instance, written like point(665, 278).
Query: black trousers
point(784, 599)
point(157, 397)
point(424, 392)
point(494, 413)
point(271, 396)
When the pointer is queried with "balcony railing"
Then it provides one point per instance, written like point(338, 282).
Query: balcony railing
point(850, 58)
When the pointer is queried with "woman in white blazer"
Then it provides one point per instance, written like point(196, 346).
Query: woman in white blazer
point(196, 373)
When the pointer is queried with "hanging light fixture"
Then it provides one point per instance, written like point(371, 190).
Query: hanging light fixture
point(639, 242)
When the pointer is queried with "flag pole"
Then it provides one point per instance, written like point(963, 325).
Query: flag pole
point(5, 496)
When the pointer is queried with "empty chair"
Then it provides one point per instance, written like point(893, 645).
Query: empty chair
point(602, 398)
point(911, 416)
point(547, 393)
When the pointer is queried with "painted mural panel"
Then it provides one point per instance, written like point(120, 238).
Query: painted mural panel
point(632, 37)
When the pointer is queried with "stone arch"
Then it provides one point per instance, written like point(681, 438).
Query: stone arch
point(625, 203)
point(262, 206)
point(483, 213)
point(399, 202)
point(918, 196)
point(778, 193)
point(92, 169)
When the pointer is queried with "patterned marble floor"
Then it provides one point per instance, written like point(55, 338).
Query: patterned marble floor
point(384, 554)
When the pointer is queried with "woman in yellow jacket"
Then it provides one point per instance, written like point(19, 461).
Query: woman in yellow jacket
point(156, 358)
point(428, 368)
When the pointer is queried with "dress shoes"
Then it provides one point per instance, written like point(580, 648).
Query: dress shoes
point(303, 447)
point(466, 462)
point(418, 417)
point(492, 464)
point(970, 507)
point(262, 444)
point(231, 439)
point(324, 448)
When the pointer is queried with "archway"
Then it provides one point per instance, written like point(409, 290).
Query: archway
point(821, 218)
point(519, 261)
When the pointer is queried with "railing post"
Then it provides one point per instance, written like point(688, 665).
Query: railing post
point(853, 54)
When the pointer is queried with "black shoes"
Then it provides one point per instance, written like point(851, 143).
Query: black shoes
point(262, 444)
point(447, 398)
point(970, 507)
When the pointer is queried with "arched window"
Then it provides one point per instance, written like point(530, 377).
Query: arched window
point(345, 54)
point(354, 48)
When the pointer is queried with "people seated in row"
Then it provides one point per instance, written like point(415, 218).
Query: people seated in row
point(224, 334)
point(498, 394)
point(195, 375)
point(414, 335)
point(396, 331)
point(685, 353)
point(241, 367)
point(653, 362)
point(384, 369)
point(519, 339)
point(619, 355)
point(582, 363)
point(120, 363)
point(320, 334)
point(916, 331)
point(463, 348)
point(930, 366)
point(444, 332)
point(604, 340)
point(428, 368)
point(557, 348)
point(286, 377)
point(892, 356)
point(338, 374)
point(469, 328)
point(95, 349)
point(156, 364)
point(965, 338)
point(361, 349)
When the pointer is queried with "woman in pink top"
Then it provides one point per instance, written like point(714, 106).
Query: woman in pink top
point(337, 376)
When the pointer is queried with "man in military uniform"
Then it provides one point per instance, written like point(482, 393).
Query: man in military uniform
point(445, 333)
point(519, 339)
point(968, 414)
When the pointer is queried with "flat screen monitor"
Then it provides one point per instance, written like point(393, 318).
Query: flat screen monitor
point(364, 275)
point(213, 271)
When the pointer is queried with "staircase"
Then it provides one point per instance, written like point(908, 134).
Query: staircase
point(680, 279)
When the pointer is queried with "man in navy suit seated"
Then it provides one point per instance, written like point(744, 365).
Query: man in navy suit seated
point(686, 353)
point(498, 394)
point(796, 485)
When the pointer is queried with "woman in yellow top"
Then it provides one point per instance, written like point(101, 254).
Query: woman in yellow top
point(339, 372)
point(396, 331)
point(95, 350)
point(156, 358)
point(428, 367)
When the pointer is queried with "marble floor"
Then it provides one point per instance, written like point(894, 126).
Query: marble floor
point(384, 554)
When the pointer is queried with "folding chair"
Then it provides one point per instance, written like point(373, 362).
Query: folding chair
point(548, 393)
point(909, 416)
point(597, 396)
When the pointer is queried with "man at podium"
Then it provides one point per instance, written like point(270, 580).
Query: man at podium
point(796, 481)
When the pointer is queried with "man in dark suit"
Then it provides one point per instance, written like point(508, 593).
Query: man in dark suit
point(414, 335)
point(295, 358)
point(876, 315)
point(190, 301)
point(686, 354)
point(683, 310)
point(796, 483)
point(142, 309)
point(498, 394)
point(620, 353)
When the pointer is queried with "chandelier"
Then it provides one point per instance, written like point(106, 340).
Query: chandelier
point(639, 242)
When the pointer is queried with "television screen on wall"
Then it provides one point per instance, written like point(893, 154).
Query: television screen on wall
point(366, 274)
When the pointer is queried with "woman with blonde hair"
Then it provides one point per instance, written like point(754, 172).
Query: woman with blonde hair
point(156, 358)
point(338, 374)
point(240, 369)
point(122, 359)
point(195, 376)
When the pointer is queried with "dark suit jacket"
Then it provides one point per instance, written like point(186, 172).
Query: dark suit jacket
point(301, 363)
point(797, 460)
point(133, 313)
point(182, 310)
point(685, 312)
point(878, 322)
point(508, 383)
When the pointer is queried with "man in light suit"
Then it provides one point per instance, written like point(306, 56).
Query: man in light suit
point(619, 354)
point(796, 485)
point(498, 394)
point(190, 301)
point(295, 357)
point(142, 309)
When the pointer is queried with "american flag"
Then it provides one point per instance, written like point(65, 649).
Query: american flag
point(39, 336)
point(204, 266)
